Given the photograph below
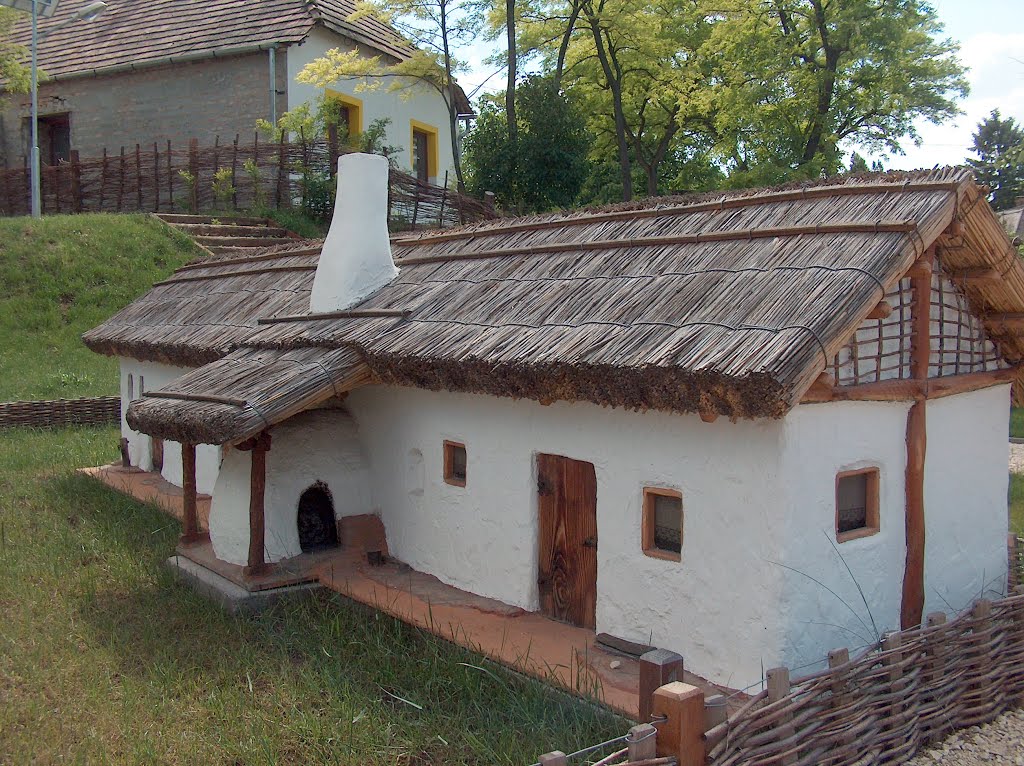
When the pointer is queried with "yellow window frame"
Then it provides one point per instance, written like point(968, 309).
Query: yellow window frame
point(432, 144)
point(355, 109)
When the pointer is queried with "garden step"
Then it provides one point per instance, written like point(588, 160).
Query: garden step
point(229, 230)
point(178, 218)
point(233, 251)
point(251, 242)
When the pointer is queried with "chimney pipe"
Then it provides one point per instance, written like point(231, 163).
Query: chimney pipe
point(356, 258)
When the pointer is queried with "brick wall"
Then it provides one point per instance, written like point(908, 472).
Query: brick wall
point(200, 99)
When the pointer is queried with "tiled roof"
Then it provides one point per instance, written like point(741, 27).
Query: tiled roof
point(133, 32)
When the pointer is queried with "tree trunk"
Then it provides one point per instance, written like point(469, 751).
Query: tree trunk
point(563, 47)
point(615, 86)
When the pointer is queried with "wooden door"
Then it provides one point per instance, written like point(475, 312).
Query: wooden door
point(567, 509)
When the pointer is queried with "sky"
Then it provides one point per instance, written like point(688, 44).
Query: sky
point(991, 36)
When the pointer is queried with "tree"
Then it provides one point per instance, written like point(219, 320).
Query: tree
point(795, 78)
point(546, 167)
point(16, 76)
point(999, 145)
point(433, 28)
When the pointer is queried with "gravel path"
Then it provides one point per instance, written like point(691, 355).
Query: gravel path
point(1000, 743)
point(1016, 458)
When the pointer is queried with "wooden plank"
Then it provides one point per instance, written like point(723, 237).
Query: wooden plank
point(350, 314)
point(631, 648)
point(882, 311)
point(567, 508)
point(195, 398)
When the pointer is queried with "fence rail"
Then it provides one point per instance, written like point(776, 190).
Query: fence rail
point(149, 178)
point(61, 412)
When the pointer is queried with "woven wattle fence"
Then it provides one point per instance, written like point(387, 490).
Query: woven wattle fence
point(149, 178)
point(61, 412)
point(888, 702)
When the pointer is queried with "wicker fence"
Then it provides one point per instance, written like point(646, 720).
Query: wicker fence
point(155, 178)
point(61, 412)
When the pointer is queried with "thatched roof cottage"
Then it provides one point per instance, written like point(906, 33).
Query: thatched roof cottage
point(702, 423)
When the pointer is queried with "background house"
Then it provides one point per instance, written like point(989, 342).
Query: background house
point(173, 70)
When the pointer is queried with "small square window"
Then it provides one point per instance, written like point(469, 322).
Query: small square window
point(663, 523)
point(856, 504)
point(455, 463)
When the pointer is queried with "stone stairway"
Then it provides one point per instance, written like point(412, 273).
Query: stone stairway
point(226, 236)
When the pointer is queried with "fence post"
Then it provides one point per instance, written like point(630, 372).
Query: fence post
point(120, 183)
point(282, 170)
point(103, 178)
point(554, 758)
point(170, 177)
point(138, 176)
point(681, 734)
point(234, 169)
point(193, 168)
point(778, 687)
point(716, 712)
point(76, 182)
point(156, 177)
point(641, 743)
point(657, 668)
point(893, 658)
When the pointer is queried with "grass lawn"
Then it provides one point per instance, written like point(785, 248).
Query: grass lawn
point(1017, 503)
point(63, 275)
point(1017, 422)
point(105, 659)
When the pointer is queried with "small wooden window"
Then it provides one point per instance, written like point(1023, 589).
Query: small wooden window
point(455, 463)
point(663, 523)
point(131, 387)
point(856, 504)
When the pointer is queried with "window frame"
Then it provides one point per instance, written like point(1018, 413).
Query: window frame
point(354, 106)
point(431, 131)
point(448, 474)
point(872, 517)
point(647, 537)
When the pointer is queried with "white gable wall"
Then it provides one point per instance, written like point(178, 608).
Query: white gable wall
point(713, 606)
point(153, 375)
point(966, 477)
point(421, 102)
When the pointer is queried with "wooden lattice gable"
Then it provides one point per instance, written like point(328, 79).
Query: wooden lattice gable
point(880, 349)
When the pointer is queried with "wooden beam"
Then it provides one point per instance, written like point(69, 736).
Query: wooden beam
point(189, 514)
point(347, 314)
point(1007, 321)
point(681, 734)
point(882, 311)
point(208, 398)
point(936, 388)
point(907, 390)
point(912, 604)
point(257, 490)
point(973, 276)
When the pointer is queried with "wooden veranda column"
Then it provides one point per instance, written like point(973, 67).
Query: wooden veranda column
point(257, 489)
point(912, 607)
point(189, 515)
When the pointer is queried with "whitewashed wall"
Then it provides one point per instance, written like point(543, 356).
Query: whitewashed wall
point(319, 445)
point(152, 376)
point(966, 476)
point(425, 104)
point(714, 606)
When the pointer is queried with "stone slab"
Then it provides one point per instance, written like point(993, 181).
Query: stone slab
point(230, 596)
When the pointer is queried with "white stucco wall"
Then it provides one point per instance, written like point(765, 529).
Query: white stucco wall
point(420, 103)
point(966, 476)
point(713, 606)
point(151, 376)
point(820, 441)
point(319, 445)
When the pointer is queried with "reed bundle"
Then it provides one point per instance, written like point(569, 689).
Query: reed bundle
point(732, 306)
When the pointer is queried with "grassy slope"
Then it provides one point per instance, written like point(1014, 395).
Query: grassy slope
point(63, 275)
point(105, 659)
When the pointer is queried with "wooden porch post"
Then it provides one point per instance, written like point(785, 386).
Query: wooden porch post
point(257, 489)
point(189, 517)
point(912, 607)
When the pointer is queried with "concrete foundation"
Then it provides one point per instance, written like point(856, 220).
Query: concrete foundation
point(232, 597)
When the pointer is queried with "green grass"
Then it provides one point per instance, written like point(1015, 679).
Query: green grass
point(296, 221)
point(63, 275)
point(1017, 503)
point(105, 659)
point(1017, 422)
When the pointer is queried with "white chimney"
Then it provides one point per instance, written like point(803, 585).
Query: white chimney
point(356, 258)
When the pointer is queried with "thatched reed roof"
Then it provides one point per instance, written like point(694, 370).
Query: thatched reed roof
point(729, 305)
point(246, 392)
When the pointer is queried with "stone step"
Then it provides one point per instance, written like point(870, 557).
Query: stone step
point(248, 242)
point(229, 230)
point(187, 218)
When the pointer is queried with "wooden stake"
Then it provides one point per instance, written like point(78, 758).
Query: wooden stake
point(682, 733)
point(657, 668)
point(642, 742)
point(257, 490)
point(190, 516)
point(554, 758)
